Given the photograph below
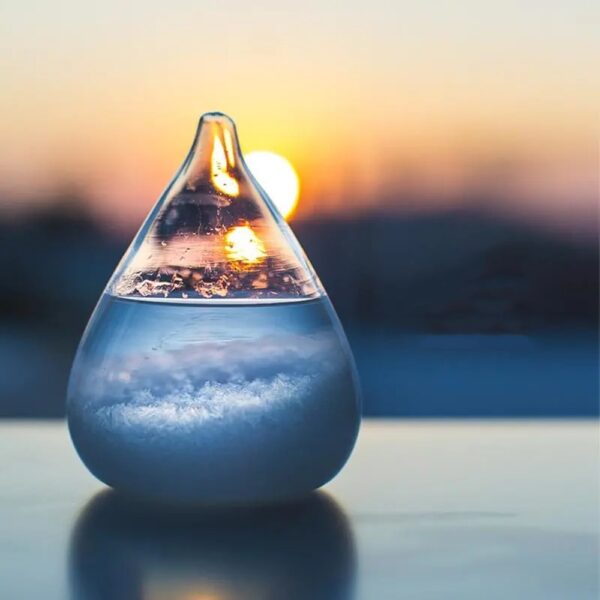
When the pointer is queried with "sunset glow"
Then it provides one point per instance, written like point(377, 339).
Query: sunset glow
point(390, 109)
point(278, 178)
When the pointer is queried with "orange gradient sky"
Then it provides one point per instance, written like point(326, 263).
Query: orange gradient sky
point(380, 106)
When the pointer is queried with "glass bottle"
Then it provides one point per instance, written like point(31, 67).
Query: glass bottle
point(214, 369)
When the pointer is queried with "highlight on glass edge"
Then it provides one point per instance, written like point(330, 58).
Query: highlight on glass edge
point(214, 369)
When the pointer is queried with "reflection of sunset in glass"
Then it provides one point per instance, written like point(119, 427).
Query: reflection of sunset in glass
point(221, 179)
point(278, 178)
point(243, 245)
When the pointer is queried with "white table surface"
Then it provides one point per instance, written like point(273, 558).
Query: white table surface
point(462, 509)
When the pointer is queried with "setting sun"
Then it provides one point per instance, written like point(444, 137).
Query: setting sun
point(278, 178)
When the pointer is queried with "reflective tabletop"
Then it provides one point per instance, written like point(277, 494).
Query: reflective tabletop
point(423, 510)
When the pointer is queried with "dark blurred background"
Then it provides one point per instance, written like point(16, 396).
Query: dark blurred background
point(452, 314)
point(447, 158)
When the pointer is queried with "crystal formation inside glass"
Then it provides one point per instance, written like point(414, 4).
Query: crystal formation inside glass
point(214, 368)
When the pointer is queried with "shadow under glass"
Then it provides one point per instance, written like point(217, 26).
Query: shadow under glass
point(122, 549)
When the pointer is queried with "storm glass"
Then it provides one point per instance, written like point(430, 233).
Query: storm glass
point(214, 368)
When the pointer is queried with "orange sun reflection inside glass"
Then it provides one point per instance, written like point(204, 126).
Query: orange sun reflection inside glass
point(243, 245)
point(220, 176)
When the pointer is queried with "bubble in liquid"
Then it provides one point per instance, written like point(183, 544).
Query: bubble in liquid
point(214, 368)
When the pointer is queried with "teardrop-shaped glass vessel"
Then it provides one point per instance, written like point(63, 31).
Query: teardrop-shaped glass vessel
point(214, 368)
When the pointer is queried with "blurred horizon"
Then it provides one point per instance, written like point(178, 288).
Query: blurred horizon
point(448, 315)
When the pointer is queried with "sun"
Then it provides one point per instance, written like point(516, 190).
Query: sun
point(278, 178)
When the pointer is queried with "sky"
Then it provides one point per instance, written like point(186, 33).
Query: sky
point(382, 107)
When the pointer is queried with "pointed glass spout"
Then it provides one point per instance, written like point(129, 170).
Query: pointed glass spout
point(214, 234)
point(214, 368)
